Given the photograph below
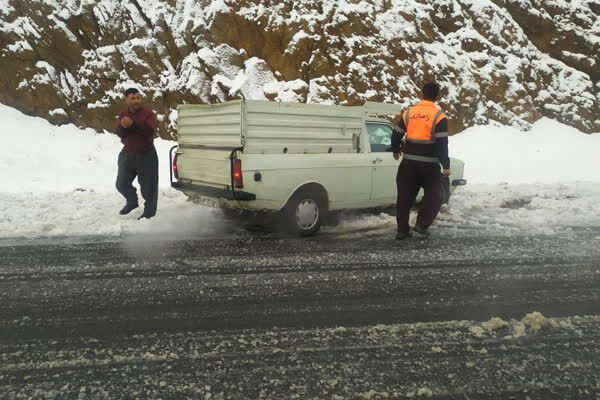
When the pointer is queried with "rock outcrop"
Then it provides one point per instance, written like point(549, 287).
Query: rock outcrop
point(510, 61)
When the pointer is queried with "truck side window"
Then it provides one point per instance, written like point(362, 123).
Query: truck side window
point(380, 136)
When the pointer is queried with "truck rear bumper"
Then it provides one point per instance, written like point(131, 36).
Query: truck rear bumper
point(210, 191)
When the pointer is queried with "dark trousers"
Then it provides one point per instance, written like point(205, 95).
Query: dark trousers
point(145, 167)
point(413, 175)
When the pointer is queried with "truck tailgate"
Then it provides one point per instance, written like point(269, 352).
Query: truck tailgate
point(204, 166)
point(207, 134)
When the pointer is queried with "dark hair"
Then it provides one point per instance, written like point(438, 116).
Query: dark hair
point(131, 91)
point(431, 91)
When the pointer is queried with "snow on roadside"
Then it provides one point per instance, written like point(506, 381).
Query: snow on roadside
point(544, 181)
point(503, 209)
point(539, 208)
point(94, 213)
point(550, 153)
point(39, 157)
point(59, 181)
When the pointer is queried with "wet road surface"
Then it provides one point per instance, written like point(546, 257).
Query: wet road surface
point(337, 316)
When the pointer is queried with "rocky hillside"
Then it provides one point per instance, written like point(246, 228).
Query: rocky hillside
point(511, 61)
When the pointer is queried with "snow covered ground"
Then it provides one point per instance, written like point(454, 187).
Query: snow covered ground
point(59, 181)
point(549, 153)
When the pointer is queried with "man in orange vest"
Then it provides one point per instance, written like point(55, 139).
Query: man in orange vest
point(422, 137)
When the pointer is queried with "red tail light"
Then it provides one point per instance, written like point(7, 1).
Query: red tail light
point(238, 179)
point(175, 172)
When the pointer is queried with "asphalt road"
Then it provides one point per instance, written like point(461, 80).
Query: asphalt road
point(338, 316)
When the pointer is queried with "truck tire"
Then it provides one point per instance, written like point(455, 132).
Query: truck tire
point(305, 212)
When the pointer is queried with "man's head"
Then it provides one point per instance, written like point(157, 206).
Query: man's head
point(431, 91)
point(133, 99)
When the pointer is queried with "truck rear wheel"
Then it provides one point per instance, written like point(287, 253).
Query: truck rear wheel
point(304, 213)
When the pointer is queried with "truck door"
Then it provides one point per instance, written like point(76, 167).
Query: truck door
point(383, 189)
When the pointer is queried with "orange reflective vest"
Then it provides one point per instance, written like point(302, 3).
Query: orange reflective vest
point(421, 121)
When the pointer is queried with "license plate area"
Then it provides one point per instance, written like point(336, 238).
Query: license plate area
point(208, 201)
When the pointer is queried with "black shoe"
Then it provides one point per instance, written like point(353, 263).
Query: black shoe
point(403, 235)
point(145, 216)
point(422, 231)
point(128, 208)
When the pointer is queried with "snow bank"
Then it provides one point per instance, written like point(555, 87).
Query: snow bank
point(59, 181)
point(546, 180)
point(540, 208)
point(39, 157)
point(503, 209)
point(550, 153)
point(94, 213)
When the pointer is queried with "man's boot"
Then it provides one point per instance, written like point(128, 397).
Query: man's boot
point(403, 235)
point(422, 231)
point(128, 208)
point(145, 216)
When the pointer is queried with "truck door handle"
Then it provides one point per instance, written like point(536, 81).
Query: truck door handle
point(377, 160)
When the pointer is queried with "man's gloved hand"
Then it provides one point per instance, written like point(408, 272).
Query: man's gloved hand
point(396, 156)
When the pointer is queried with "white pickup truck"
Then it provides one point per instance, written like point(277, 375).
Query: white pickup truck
point(299, 162)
